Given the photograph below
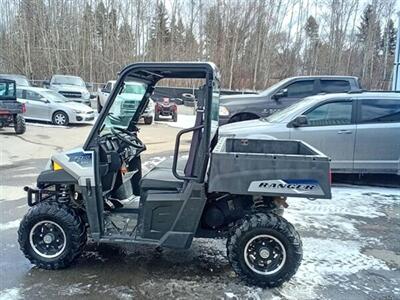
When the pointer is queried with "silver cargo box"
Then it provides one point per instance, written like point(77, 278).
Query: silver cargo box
point(270, 168)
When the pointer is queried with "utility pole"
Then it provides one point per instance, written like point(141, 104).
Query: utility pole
point(396, 69)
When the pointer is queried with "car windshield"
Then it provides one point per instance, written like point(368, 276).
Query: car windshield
point(68, 80)
point(289, 111)
point(269, 90)
point(124, 106)
point(20, 80)
point(54, 97)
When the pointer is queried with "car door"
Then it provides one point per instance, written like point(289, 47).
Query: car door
point(37, 106)
point(377, 147)
point(292, 93)
point(331, 130)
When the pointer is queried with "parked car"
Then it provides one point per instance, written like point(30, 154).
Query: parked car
point(10, 110)
point(71, 87)
point(235, 108)
point(128, 99)
point(166, 108)
point(21, 80)
point(359, 131)
point(48, 105)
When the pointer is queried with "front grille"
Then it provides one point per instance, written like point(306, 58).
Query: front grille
point(129, 106)
point(71, 94)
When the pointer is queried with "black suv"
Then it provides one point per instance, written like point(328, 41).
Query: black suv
point(237, 108)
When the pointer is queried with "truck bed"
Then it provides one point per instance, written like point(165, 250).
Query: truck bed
point(269, 168)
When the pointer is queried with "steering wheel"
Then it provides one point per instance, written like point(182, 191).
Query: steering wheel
point(137, 143)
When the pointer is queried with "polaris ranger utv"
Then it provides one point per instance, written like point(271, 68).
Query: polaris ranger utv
point(10, 110)
point(225, 188)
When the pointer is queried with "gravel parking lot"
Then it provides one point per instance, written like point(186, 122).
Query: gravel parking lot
point(351, 243)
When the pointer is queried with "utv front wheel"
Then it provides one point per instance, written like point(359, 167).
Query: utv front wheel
point(51, 235)
point(265, 250)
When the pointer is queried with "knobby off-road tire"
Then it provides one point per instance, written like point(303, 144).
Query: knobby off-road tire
point(175, 117)
point(51, 235)
point(19, 124)
point(148, 120)
point(264, 250)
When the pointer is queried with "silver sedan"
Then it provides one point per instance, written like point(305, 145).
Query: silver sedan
point(47, 105)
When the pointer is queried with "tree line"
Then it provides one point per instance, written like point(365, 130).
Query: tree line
point(255, 43)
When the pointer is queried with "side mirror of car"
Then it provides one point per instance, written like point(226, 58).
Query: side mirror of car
point(44, 100)
point(93, 96)
point(104, 90)
point(300, 121)
point(89, 85)
point(280, 94)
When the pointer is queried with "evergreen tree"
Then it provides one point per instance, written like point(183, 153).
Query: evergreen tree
point(312, 28)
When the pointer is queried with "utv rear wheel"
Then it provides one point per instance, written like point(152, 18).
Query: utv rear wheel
point(51, 235)
point(19, 124)
point(148, 120)
point(264, 250)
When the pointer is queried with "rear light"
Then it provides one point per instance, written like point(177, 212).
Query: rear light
point(23, 108)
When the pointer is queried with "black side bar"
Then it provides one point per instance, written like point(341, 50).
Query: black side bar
point(176, 152)
point(30, 191)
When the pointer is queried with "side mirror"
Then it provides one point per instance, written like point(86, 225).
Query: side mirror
point(280, 94)
point(89, 85)
point(44, 100)
point(300, 121)
point(93, 95)
point(104, 90)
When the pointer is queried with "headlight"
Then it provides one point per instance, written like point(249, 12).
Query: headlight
point(223, 111)
point(86, 95)
point(78, 111)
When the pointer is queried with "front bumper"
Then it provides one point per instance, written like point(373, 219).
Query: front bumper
point(83, 118)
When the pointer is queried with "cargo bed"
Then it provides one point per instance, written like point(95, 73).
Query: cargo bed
point(269, 168)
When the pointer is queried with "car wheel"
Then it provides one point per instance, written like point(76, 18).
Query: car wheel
point(60, 118)
point(99, 107)
point(264, 249)
point(51, 235)
point(19, 124)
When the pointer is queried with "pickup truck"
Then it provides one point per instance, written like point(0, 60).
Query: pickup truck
point(71, 87)
point(10, 110)
point(235, 108)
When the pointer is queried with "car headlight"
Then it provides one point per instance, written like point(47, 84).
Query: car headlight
point(86, 95)
point(78, 111)
point(223, 111)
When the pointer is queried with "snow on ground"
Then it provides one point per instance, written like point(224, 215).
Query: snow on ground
point(184, 121)
point(10, 294)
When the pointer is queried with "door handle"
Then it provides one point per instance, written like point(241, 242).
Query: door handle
point(344, 132)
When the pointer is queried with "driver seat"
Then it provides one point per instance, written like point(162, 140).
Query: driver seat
point(161, 177)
